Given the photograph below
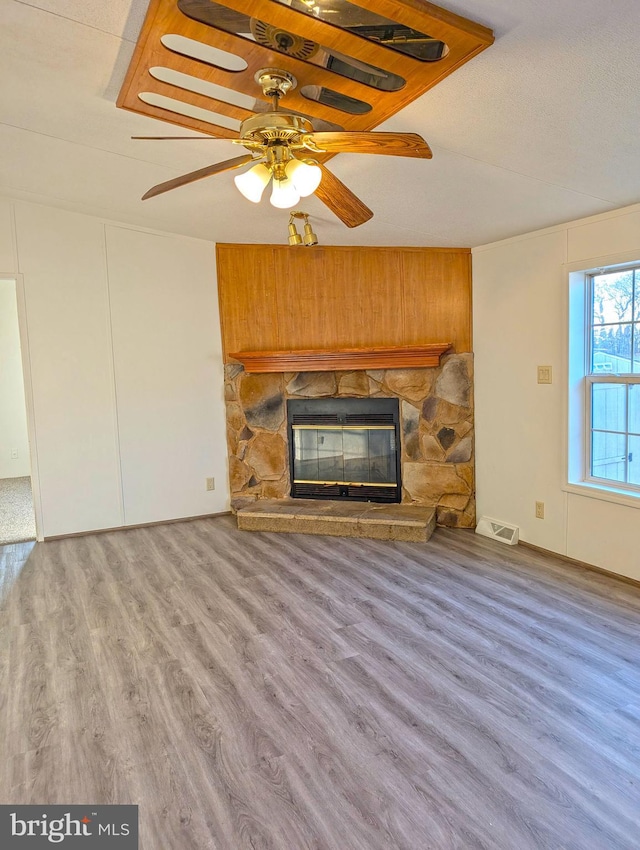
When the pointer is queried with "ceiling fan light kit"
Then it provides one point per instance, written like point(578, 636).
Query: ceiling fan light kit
point(253, 182)
point(305, 174)
point(346, 51)
point(300, 179)
point(284, 194)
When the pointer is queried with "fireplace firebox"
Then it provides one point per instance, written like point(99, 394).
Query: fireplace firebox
point(345, 448)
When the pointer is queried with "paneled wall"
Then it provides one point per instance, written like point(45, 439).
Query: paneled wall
point(520, 319)
point(14, 442)
point(122, 333)
point(280, 298)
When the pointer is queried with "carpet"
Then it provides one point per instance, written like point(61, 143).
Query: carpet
point(17, 520)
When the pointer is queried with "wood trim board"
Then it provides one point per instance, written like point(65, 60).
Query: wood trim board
point(407, 357)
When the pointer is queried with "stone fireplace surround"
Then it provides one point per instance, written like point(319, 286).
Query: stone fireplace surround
point(436, 414)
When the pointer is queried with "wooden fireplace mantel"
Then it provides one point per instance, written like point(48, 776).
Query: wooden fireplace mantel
point(400, 357)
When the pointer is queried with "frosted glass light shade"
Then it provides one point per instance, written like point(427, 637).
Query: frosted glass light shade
point(306, 176)
point(253, 182)
point(284, 194)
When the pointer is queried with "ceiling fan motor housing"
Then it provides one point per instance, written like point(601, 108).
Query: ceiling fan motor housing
point(274, 126)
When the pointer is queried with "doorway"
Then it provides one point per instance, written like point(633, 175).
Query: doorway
point(17, 513)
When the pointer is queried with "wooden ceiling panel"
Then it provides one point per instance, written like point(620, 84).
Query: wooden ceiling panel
point(463, 38)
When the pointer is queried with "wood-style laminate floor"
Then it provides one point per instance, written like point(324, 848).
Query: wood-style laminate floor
point(254, 690)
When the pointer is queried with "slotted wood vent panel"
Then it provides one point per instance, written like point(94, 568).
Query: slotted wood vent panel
point(164, 21)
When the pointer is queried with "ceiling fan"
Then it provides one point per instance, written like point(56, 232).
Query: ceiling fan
point(282, 145)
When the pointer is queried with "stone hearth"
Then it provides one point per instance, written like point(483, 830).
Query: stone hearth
point(406, 523)
point(436, 412)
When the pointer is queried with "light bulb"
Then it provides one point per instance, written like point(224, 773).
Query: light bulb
point(306, 176)
point(284, 194)
point(253, 182)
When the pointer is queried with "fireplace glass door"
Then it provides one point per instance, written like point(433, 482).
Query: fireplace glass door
point(341, 455)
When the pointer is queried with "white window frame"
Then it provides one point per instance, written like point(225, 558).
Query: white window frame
point(578, 478)
point(591, 379)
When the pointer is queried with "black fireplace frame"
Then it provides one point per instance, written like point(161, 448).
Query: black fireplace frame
point(345, 411)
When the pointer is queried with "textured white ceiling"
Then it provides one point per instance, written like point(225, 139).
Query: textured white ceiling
point(541, 128)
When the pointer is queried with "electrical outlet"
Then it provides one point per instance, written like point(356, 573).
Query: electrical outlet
point(14, 453)
point(545, 375)
point(211, 484)
point(539, 510)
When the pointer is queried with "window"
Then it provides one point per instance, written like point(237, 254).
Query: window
point(611, 394)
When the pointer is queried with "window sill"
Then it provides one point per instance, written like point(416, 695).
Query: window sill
point(603, 493)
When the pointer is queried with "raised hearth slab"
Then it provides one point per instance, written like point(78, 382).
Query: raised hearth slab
point(409, 523)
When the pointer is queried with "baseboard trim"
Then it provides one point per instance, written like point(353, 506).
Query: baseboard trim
point(574, 562)
point(138, 525)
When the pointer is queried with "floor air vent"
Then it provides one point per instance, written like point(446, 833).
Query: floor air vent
point(498, 530)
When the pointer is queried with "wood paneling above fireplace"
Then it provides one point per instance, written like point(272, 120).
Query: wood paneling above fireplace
point(280, 298)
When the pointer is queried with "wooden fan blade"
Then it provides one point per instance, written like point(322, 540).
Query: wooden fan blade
point(341, 200)
point(170, 138)
point(236, 162)
point(391, 144)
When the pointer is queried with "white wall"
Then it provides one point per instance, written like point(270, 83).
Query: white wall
point(13, 414)
point(126, 368)
point(168, 369)
point(520, 322)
